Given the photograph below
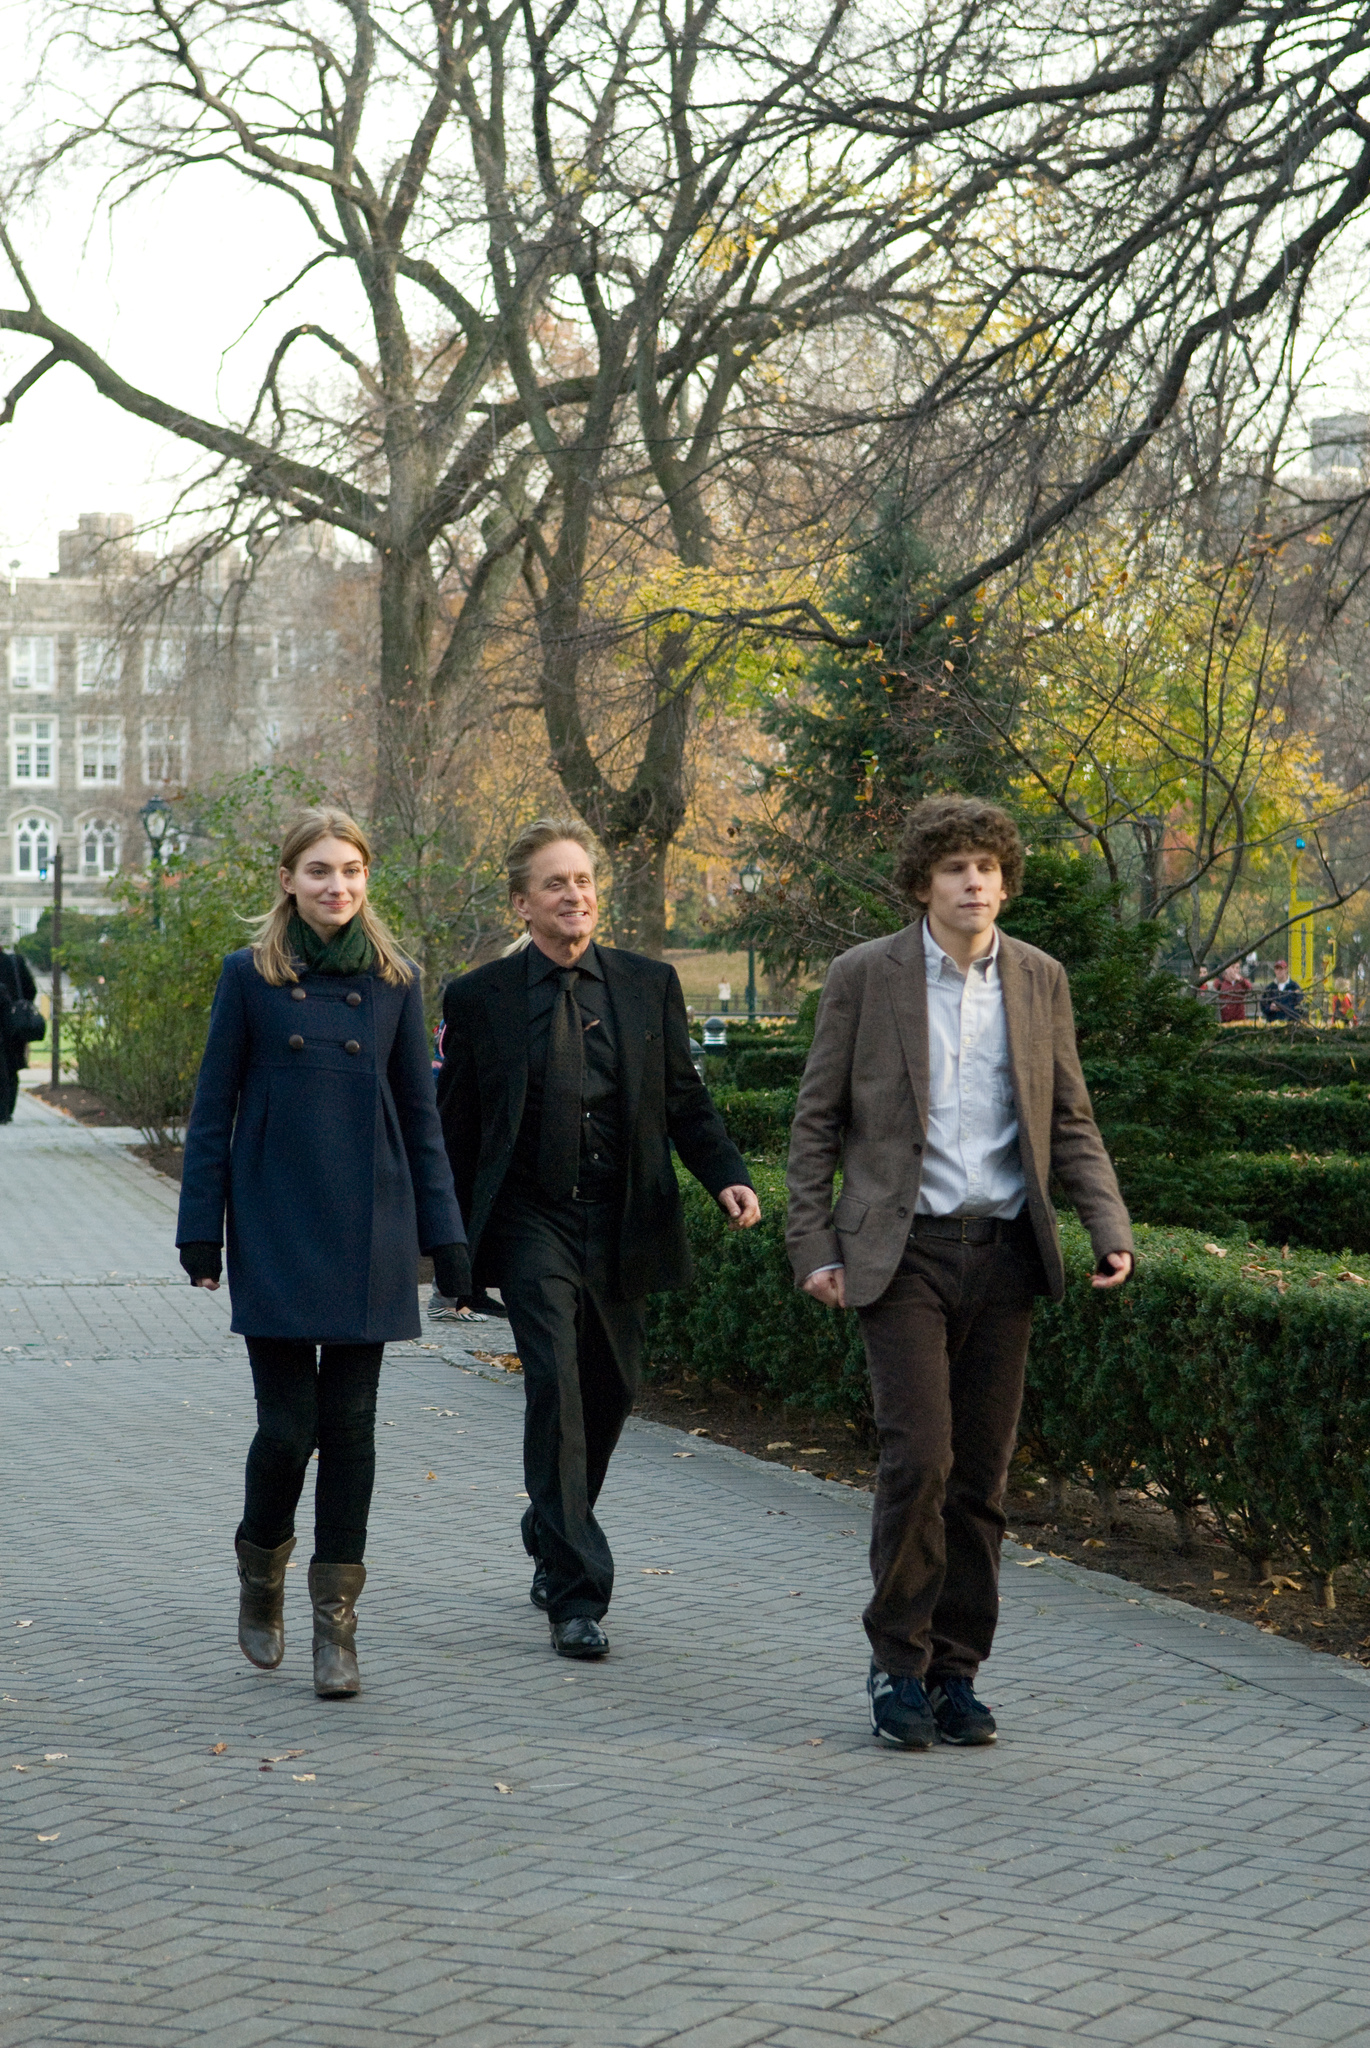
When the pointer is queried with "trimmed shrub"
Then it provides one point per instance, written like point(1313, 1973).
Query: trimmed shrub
point(744, 1320)
point(1275, 1197)
point(1325, 1120)
point(758, 1119)
point(1221, 1372)
point(773, 1067)
point(1297, 1066)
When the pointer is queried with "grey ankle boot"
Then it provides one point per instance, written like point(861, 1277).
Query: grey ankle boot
point(334, 1589)
point(261, 1601)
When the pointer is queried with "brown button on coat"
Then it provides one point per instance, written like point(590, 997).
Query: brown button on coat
point(863, 1107)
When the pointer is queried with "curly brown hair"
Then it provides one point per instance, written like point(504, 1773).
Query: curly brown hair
point(942, 825)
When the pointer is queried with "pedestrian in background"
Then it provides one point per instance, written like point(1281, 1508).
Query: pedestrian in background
point(315, 1132)
point(1233, 990)
point(17, 991)
point(1282, 999)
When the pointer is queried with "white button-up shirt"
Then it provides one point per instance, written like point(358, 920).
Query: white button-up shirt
point(971, 1162)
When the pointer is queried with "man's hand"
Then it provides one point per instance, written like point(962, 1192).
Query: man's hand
point(829, 1287)
point(1120, 1265)
point(212, 1285)
point(740, 1206)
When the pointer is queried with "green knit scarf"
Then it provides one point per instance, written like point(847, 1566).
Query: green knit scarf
point(349, 951)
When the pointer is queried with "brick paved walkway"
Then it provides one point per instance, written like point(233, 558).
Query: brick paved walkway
point(694, 1843)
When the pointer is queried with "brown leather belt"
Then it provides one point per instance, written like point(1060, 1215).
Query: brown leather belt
point(968, 1229)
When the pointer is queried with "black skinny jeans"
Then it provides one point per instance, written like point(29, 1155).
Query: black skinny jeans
point(303, 1404)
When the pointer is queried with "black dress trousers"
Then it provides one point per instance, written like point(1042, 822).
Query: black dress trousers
point(581, 1349)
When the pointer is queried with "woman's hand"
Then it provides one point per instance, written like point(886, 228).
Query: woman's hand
point(452, 1271)
point(204, 1263)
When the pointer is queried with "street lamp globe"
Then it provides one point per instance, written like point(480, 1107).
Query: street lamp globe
point(750, 877)
point(156, 817)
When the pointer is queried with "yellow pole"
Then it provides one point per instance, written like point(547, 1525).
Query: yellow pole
point(1302, 938)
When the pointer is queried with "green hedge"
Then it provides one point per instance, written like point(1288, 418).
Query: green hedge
point(1264, 1036)
point(1249, 1191)
point(1274, 1197)
point(1242, 1380)
point(1297, 1066)
point(758, 1119)
point(1327, 1120)
point(743, 1320)
point(773, 1067)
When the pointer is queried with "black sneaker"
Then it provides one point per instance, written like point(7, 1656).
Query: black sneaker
point(960, 1717)
point(900, 1713)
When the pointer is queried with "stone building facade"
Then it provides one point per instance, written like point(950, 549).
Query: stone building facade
point(118, 688)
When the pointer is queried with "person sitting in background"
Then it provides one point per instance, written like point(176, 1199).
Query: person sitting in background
point(1282, 1000)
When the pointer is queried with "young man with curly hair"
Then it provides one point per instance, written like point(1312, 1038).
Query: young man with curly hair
point(945, 1083)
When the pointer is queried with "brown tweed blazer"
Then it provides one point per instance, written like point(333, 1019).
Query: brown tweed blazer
point(863, 1107)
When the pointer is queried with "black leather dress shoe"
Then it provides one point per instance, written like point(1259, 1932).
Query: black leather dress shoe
point(579, 1637)
point(537, 1592)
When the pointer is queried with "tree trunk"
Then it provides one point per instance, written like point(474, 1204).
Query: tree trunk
point(638, 904)
point(408, 608)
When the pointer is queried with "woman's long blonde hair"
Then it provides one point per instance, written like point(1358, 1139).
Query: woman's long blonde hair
point(271, 950)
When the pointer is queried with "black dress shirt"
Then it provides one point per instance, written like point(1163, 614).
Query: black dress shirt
point(601, 1172)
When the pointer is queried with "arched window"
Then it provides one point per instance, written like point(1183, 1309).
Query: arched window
point(99, 843)
point(34, 838)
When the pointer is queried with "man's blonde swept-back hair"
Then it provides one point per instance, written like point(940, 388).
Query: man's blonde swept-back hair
point(545, 832)
point(542, 832)
point(271, 951)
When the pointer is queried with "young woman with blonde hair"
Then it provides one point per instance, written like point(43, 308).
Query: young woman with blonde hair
point(314, 1134)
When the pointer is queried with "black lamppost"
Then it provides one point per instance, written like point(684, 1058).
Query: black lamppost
point(750, 878)
point(156, 817)
point(55, 1004)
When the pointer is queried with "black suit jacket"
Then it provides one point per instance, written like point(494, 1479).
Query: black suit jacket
point(484, 1080)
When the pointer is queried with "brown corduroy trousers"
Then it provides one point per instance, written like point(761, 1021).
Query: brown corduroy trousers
point(946, 1344)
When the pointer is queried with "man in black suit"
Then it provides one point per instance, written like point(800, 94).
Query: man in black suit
point(566, 1077)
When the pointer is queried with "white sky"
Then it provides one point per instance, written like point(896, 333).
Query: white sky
point(161, 294)
point(162, 291)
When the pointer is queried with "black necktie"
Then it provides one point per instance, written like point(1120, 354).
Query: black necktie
point(559, 1142)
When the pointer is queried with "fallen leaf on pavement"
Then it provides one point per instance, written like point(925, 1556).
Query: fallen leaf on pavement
point(55, 1756)
point(658, 1571)
point(304, 1777)
point(682, 1454)
point(1028, 1562)
point(432, 1475)
point(288, 1757)
point(218, 1749)
point(23, 1624)
point(502, 1788)
point(18, 1767)
point(49, 1838)
point(815, 1741)
point(699, 1432)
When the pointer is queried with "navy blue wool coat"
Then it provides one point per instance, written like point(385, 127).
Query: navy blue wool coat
point(314, 1127)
